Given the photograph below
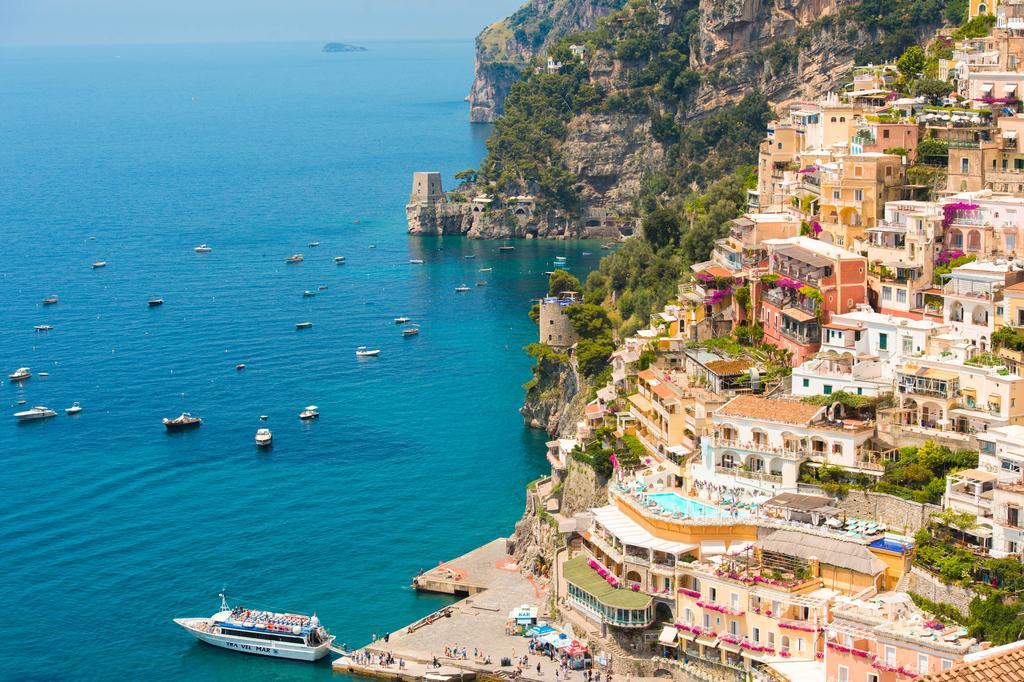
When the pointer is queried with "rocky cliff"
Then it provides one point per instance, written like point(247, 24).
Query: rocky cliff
point(632, 105)
point(506, 47)
point(556, 398)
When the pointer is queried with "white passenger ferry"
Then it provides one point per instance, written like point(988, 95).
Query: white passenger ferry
point(282, 635)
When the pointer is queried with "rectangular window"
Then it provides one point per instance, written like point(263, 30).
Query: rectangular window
point(858, 195)
point(807, 383)
point(771, 639)
point(886, 293)
point(872, 677)
point(946, 664)
point(908, 345)
point(688, 616)
point(713, 593)
point(707, 620)
point(1011, 242)
point(965, 164)
point(827, 389)
point(844, 674)
point(901, 295)
point(735, 602)
point(799, 644)
point(757, 635)
point(860, 391)
point(734, 628)
point(835, 194)
point(890, 655)
point(883, 341)
point(922, 664)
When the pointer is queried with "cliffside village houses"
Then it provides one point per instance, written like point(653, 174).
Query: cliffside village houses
point(712, 554)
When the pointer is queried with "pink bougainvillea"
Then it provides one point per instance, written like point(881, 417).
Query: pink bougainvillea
point(952, 209)
point(815, 228)
point(945, 257)
point(689, 593)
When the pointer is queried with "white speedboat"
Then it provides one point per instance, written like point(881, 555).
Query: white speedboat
point(486, 269)
point(506, 247)
point(311, 412)
point(38, 412)
point(203, 248)
point(416, 261)
point(462, 289)
point(20, 374)
point(99, 264)
point(74, 409)
point(303, 325)
point(307, 293)
point(411, 331)
point(339, 259)
point(401, 320)
point(313, 245)
point(294, 258)
point(264, 438)
point(44, 328)
point(322, 287)
point(265, 633)
point(155, 302)
point(50, 300)
point(364, 352)
point(560, 258)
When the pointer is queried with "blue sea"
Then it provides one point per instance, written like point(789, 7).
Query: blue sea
point(110, 527)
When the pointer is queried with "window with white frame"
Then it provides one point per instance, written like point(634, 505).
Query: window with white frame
point(890, 655)
point(922, 664)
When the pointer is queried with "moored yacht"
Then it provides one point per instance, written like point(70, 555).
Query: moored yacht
point(184, 421)
point(364, 352)
point(281, 635)
point(99, 264)
point(462, 289)
point(38, 412)
point(339, 259)
point(203, 248)
point(294, 258)
point(20, 374)
point(264, 438)
point(74, 409)
point(50, 300)
point(311, 412)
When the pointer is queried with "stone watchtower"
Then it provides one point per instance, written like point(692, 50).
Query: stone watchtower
point(426, 188)
point(555, 326)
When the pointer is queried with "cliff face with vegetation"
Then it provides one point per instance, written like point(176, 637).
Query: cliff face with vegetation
point(667, 96)
point(505, 48)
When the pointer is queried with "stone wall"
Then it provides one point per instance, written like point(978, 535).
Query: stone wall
point(894, 512)
point(920, 581)
point(582, 489)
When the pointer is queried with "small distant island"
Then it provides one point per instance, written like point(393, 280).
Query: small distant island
point(343, 47)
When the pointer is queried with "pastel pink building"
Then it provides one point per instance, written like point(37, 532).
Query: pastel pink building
point(888, 639)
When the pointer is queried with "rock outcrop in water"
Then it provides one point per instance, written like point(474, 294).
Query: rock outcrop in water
point(343, 47)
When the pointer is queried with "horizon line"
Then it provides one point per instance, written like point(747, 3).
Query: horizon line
point(186, 43)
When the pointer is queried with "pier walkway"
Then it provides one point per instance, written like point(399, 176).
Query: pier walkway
point(477, 624)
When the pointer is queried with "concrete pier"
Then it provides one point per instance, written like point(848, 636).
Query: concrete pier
point(478, 624)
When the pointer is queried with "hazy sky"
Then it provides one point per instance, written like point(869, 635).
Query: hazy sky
point(173, 21)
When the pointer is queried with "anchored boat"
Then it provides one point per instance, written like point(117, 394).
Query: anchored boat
point(39, 412)
point(264, 438)
point(181, 422)
point(265, 633)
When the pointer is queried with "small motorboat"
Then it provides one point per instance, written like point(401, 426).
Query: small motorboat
point(339, 259)
point(203, 248)
point(38, 412)
point(294, 258)
point(322, 287)
point(561, 259)
point(264, 417)
point(240, 366)
point(181, 422)
point(99, 264)
point(303, 325)
point(264, 438)
point(410, 331)
point(415, 261)
point(364, 352)
point(472, 255)
point(50, 300)
point(373, 246)
point(311, 412)
point(43, 328)
point(74, 409)
point(307, 293)
point(506, 247)
point(154, 302)
point(401, 320)
point(481, 283)
point(486, 269)
point(21, 402)
point(462, 289)
point(44, 374)
point(313, 245)
point(587, 253)
point(20, 374)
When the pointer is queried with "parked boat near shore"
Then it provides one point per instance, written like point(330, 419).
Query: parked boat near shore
point(182, 422)
point(264, 633)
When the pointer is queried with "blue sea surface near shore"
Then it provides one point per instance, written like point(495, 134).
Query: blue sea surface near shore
point(111, 527)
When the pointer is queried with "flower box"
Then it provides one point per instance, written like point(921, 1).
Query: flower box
point(689, 593)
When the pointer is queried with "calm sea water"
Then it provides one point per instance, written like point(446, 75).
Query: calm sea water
point(110, 527)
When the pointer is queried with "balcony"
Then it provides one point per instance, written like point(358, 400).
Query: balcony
point(923, 385)
point(754, 446)
point(802, 335)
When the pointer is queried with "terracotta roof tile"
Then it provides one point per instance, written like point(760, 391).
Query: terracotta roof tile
point(754, 407)
point(1007, 666)
point(663, 392)
point(647, 374)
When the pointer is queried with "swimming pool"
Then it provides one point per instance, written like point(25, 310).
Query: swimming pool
point(675, 502)
point(891, 545)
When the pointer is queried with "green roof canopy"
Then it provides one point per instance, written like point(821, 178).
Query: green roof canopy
point(577, 572)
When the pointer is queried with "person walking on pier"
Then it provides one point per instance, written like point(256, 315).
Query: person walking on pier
point(539, 673)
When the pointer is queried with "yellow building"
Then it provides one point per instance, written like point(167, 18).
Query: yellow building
point(978, 7)
point(853, 197)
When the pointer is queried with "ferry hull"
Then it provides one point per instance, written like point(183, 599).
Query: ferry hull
point(198, 628)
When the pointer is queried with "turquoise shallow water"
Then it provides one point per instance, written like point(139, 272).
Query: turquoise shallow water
point(110, 527)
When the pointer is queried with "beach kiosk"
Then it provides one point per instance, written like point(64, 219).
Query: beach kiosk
point(523, 618)
point(577, 655)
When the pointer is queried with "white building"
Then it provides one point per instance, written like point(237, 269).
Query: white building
point(860, 351)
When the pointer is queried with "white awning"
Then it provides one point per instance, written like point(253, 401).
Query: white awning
point(631, 533)
point(714, 547)
point(986, 88)
point(739, 547)
point(1010, 88)
point(668, 635)
point(1009, 134)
